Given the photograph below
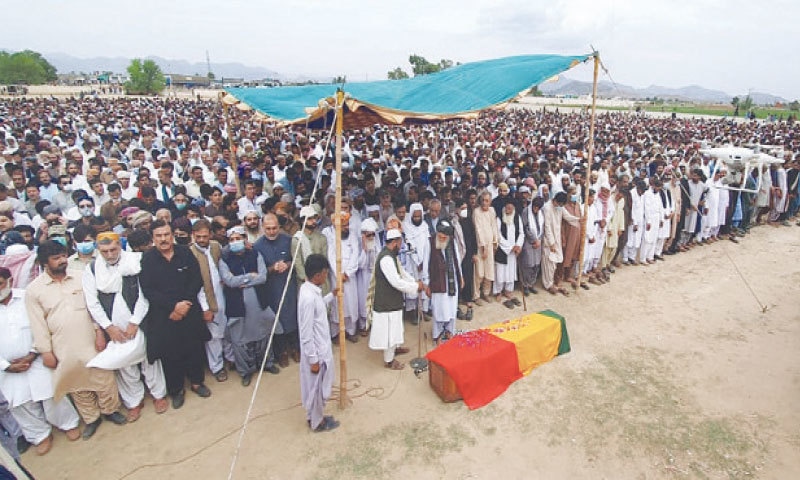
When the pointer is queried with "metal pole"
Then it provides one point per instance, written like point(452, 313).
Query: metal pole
point(343, 400)
point(587, 174)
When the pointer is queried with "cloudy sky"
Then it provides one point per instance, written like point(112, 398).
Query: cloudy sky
point(732, 45)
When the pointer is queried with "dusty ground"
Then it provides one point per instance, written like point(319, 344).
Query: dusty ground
point(675, 372)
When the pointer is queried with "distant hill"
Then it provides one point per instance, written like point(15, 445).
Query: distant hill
point(693, 93)
point(68, 63)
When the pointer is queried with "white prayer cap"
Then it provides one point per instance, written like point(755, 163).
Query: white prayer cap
point(524, 189)
point(123, 174)
point(238, 229)
point(373, 208)
point(307, 212)
point(392, 234)
point(415, 207)
point(19, 248)
point(605, 185)
point(369, 225)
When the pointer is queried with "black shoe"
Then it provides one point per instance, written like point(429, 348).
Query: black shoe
point(534, 291)
point(116, 418)
point(351, 338)
point(178, 399)
point(91, 428)
point(246, 380)
point(468, 315)
point(202, 391)
point(460, 315)
point(273, 369)
point(328, 423)
point(23, 445)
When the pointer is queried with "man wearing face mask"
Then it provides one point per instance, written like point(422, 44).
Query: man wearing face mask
point(24, 380)
point(83, 237)
point(117, 305)
point(86, 210)
point(275, 248)
point(183, 231)
point(244, 275)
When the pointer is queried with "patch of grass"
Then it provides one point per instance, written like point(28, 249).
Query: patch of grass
point(633, 399)
point(379, 454)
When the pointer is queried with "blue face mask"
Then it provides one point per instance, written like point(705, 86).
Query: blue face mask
point(237, 246)
point(180, 206)
point(576, 198)
point(85, 248)
point(61, 240)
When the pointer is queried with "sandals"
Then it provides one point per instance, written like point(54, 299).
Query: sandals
point(401, 350)
point(552, 290)
point(563, 291)
point(515, 301)
point(394, 365)
point(468, 316)
point(584, 286)
point(509, 304)
point(328, 424)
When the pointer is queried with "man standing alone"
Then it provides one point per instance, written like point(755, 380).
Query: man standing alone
point(316, 359)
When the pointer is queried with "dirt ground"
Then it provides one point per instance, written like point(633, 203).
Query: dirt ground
point(675, 372)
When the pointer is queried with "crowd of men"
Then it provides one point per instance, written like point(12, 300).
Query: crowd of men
point(140, 246)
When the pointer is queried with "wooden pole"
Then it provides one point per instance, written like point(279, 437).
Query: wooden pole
point(343, 400)
point(587, 174)
point(232, 148)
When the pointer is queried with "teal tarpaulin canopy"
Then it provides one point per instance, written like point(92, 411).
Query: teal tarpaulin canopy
point(456, 92)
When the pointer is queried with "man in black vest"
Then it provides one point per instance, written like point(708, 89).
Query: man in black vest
point(389, 283)
point(174, 326)
point(116, 303)
point(445, 281)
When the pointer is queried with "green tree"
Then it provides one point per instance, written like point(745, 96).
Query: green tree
point(211, 75)
point(26, 67)
point(146, 78)
point(747, 104)
point(535, 92)
point(421, 66)
point(397, 74)
point(794, 106)
point(735, 101)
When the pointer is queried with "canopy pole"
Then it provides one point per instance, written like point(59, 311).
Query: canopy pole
point(344, 401)
point(232, 148)
point(587, 174)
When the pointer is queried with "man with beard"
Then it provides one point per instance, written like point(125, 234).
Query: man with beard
point(175, 330)
point(531, 255)
point(486, 233)
point(212, 299)
point(24, 380)
point(417, 240)
point(252, 225)
point(310, 241)
point(385, 303)
point(511, 238)
point(244, 274)
point(275, 248)
point(63, 333)
point(469, 292)
point(351, 245)
point(116, 303)
point(636, 225)
point(366, 264)
point(553, 213)
point(445, 276)
point(693, 203)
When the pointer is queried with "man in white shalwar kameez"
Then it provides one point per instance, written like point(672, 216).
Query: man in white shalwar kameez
point(710, 221)
point(653, 219)
point(110, 285)
point(694, 209)
point(351, 246)
point(317, 368)
point(636, 227)
point(445, 281)
point(390, 281)
point(366, 264)
point(512, 236)
point(668, 211)
point(591, 242)
point(24, 380)
point(417, 235)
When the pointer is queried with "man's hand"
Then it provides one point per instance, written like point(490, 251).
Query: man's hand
point(130, 332)
point(18, 367)
point(552, 249)
point(116, 334)
point(428, 291)
point(591, 240)
point(648, 227)
point(602, 224)
point(475, 259)
point(49, 360)
point(208, 316)
point(175, 317)
point(484, 253)
point(420, 286)
point(315, 368)
point(29, 358)
point(182, 308)
point(99, 340)
point(345, 277)
point(636, 228)
point(516, 249)
point(536, 244)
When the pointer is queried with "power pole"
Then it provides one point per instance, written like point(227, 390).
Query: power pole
point(208, 65)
